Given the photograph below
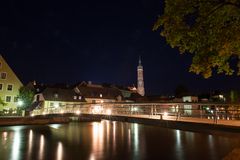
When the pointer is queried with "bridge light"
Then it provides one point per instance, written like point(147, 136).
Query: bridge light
point(165, 113)
point(96, 109)
point(108, 112)
point(78, 112)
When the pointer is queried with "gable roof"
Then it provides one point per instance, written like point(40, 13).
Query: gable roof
point(11, 74)
point(97, 91)
point(60, 94)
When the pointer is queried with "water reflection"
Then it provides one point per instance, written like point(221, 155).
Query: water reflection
point(211, 145)
point(4, 135)
point(179, 144)
point(114, 136)
point(129, 139)
point(136, 138)
point(110, 140)
point(55, 126)
point(41, 147)
point(30, 144)
point(92, 157)
point(16, 144)
point(59, 151)
point(4, 138)
point(97, 138)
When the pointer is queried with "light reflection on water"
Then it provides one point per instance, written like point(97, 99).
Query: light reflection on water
point(41, 147)
point(97, 139)
point(59, 151)
point(110, 140)
point(179, 144)
point(16, 145)
point(114, 136)
point(30, 144)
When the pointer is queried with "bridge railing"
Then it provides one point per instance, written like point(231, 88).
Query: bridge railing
point(176, 111)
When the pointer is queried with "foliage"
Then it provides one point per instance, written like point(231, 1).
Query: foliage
point(233, 96)
point(26, 95)
point(209, 29)
point(2, 102)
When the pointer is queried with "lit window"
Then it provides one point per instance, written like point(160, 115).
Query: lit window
point(51, 104)
point(56, 105)
point(80, 97)
point(1, 86)
point(10, 87)
point(55, 95)
point(3, 75)
point(8, 98)
point(74, 97)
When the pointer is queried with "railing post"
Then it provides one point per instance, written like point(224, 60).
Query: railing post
point(155, 110)
point(215, 114)
point(151, 113)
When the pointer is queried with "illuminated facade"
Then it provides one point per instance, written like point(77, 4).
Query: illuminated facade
point(140, 81)
point(95, 93)
point(190, 109)
point(57, 100)
point(9, 86)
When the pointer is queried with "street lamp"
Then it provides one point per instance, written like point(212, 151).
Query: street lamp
point(20, 103)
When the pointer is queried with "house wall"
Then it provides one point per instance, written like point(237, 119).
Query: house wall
point(190, 110)
point(99, 100)
point(11, 79)
point(51, 107)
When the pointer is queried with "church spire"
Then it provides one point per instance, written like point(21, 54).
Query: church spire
point(139, 61)
point(140, 81)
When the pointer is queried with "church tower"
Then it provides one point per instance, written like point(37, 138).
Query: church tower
point(140, 82)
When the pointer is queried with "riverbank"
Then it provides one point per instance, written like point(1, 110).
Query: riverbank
point(48, 119)
point(10, 121)
point(66, 118)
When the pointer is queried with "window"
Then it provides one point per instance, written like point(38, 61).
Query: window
point(80, 97)
point(8, 98)
point(55, 95)
point(74, 97)
point(51, 104)
point(3, 75)
point(10, 87)
point(1, 86)
point(38, 98)
point(15, 99)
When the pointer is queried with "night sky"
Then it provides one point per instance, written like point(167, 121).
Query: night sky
point(95, 40)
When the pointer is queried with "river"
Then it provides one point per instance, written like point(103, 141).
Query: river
point(111, 140)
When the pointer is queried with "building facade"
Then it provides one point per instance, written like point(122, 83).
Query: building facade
point(95, 93)
point(9, 86)
point(57, 100)
point(190, 109)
